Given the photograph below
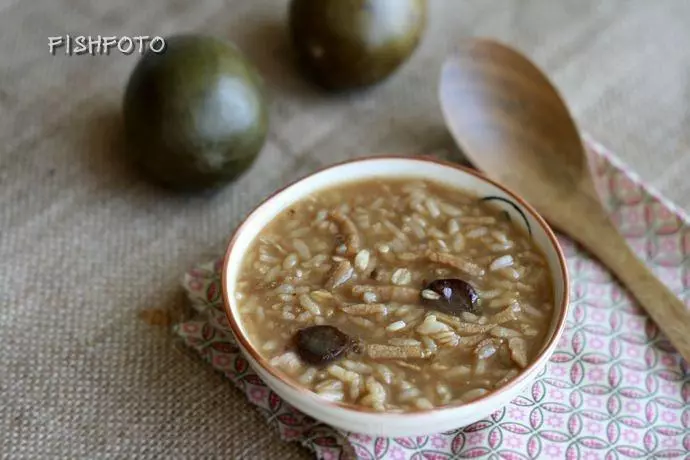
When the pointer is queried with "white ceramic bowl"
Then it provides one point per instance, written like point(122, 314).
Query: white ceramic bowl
point(389, 424)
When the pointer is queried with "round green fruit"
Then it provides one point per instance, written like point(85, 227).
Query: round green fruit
point(349, 44)
point(195, 115)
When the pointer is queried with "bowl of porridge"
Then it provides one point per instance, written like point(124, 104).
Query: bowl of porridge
point(396, 296)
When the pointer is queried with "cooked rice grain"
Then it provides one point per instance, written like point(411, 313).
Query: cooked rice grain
point(501, 262)
point(302, 249)
point(362, 260)
point(401, 277)
point(396, 326)
point(309, 304)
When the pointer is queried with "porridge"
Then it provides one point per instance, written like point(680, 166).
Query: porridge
point(395, 295)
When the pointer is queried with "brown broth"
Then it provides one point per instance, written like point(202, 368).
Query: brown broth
point(358, 256)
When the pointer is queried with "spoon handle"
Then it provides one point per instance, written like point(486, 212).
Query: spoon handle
point(665, 308)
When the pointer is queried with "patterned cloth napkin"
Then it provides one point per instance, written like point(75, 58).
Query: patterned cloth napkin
point(613, 389)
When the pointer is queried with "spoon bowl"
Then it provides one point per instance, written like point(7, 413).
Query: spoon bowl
point(512, 123)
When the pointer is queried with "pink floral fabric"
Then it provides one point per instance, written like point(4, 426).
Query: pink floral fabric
point(614, 388)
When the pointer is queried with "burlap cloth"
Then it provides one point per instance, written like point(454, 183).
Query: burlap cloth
point(91, 256)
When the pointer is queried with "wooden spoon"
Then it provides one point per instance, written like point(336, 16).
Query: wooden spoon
point(512, 124)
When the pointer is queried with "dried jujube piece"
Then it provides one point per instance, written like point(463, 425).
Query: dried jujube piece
point(452, 296)
point(319, 345)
